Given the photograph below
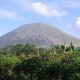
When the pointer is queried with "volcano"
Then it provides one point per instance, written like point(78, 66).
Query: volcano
point(40, 34)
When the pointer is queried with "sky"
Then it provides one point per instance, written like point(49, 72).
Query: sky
point(63, 14)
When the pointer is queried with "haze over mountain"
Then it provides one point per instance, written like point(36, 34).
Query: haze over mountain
point(38, 33)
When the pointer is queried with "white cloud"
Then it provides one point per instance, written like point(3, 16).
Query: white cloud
point(57, 13)
point(40, 8)
point(8, 14)
point(78, 22)
point(43, 9)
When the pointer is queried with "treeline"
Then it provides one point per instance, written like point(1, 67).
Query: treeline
point(27, 62)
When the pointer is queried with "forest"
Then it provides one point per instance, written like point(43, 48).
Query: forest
point(28, 62)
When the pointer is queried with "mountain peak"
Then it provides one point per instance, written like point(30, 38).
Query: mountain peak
point(39, 33)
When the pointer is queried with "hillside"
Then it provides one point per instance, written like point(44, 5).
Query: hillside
point(40, 34)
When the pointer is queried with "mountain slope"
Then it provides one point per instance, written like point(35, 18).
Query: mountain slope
point(40, 34)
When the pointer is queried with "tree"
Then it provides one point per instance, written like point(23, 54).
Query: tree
point(30, 50)
point(6, 66)
point(30, 67)
point(17, 49)
point(70, 67)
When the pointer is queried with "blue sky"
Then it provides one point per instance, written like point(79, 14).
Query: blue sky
point(63, 14)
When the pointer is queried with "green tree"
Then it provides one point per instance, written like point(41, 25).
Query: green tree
point(6, 66)
point(17, 49)
point(30, 67)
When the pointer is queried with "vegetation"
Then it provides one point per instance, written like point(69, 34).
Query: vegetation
point(27, 62)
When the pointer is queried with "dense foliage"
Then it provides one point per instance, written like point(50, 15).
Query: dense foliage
point(27, 62)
